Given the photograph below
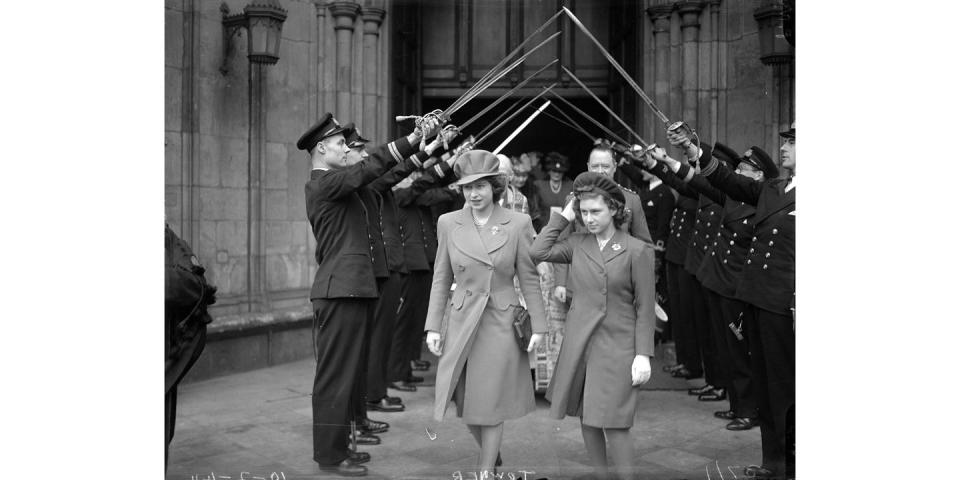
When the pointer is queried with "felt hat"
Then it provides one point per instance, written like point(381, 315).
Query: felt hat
point(473, 165)
point(588, 182)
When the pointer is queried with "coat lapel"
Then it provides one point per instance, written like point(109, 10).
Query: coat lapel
point(466, 238)
point(494, 232)
point(614, 247)
point(783, 200)
point(735, 211)
point(588, 244)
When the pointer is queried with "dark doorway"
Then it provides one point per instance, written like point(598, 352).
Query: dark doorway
point(544, 133)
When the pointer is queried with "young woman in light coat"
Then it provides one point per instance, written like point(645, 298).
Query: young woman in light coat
point(481, 248)
point(608, 337)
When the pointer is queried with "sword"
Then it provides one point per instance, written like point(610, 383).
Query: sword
point(496, 121)
point(514, 114)
point(588, 117)
point(521, 127)
point(505, 96)
point(675, 126)
point(575, 127)
point(608, 109)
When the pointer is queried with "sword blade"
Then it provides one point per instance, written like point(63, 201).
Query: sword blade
point(478, 87)
point(521, 127)
point(505, 95)
point(592, 120)
point(503, 61)
point(576, 21)
point(606, 107)
point(563, 122)
point(514, 114)
point(496, 121)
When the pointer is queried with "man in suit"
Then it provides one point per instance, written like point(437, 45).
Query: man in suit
point(344, 290)
point(767, 285)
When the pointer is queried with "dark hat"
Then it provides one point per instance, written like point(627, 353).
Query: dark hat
point(473, 165)
point(757, 158)
point(594, 182)
point(352, 136)
point(556, 162)
point(326, 127)
point(726, 154)
point(792, 133)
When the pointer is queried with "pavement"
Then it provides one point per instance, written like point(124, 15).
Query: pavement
point(256, 425)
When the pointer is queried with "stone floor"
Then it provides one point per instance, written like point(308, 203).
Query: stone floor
point(256, 426)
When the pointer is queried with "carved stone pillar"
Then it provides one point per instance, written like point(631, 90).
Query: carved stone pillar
point(344, 14)
point(372, 18)
point(690, 29)
point(714, 86)
point(660, 15)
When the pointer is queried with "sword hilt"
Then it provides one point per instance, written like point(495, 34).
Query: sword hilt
point(685, 129)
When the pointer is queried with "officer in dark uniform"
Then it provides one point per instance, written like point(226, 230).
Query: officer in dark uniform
point(767, 286)
point(187, 296)
point(344, 290)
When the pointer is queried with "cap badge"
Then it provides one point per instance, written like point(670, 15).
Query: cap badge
point(748, 153)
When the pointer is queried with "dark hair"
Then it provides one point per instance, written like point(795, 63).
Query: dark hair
point(604, 148)
point(497, 182)
point(619, 211)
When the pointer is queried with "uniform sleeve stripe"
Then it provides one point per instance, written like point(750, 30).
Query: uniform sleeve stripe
point(688, 176)
point(710, 168)
point(416, 161)
point(392, 147)
point(439, 171)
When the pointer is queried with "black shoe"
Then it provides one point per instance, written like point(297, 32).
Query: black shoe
point(700, 390)
point(725, 414)
point(420, 365)
point(413, 379)
point(742, 423)
point(367, 439)
point(373, 426)
point(759, 472)
point(384, 406)
point(403, 387)
point(346, 468)
point(716, 395)
point(359, 457)
point(394, 400)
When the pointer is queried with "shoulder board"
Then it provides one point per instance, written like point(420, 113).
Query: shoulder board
point(625, 189)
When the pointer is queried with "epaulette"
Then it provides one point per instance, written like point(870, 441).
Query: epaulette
point(627, 190)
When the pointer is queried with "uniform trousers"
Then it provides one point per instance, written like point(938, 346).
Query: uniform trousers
point(384, 320)
point(733, 354)
point(773, 362)
point(712, 375)
point(411, 319)
point(681, 318)
point(340, 325)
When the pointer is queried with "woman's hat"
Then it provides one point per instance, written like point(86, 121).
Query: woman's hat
point(473, 165)
point(556, 162)
point(588, 182)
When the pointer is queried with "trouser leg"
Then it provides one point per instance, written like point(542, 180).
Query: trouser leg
point(340, 326)
point(381, 336)
point(681, 304)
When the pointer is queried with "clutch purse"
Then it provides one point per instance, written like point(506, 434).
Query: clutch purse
point(522, 330)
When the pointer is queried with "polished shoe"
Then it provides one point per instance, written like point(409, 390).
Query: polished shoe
point(743, 423)
point(420, 365)
point(384, 406)
point(367, 439)
point(403, 387)
point(672, 368)
point(373, 426)
point(759, 472)
point(725, 414)
point(413, 379)
point(359, 457)
point(700, 390)
point(394, 400)
point(346, 468)
point(716, 395)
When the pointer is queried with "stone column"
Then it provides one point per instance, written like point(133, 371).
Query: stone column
point(344, 13)
point(690, 29)
point(372, 17)
point(660, 15)
point(714, 120)
point(256, 256)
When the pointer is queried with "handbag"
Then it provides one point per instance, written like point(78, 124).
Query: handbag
point(522, 330)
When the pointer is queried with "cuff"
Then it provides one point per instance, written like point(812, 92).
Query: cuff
point(685, 173)
point(400, 149)
point(710, 167)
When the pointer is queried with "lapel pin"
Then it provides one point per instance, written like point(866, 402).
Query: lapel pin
point(616, 247)
point(494, 229)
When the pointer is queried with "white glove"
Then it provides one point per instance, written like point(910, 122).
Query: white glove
point(433, 343)
point(535, 340)
point(640, 370)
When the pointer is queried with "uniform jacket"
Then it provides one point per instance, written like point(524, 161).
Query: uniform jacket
point(339, 221)
point(416, 221)
point(610, 321)
point(723, 263)
point(683, 220)
point(657, 204)
point(187, 295)
point(634, 224)
point(390, 211)
point(483, 270)
point(768, 279)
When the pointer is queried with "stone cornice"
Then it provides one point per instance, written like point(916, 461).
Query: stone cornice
point(690, 13)
point(372, 18)
point(344, 13)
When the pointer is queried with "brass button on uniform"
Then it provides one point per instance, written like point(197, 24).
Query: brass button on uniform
point(771, 243)
point(728, 252)
point(767, 255)
point(724, 260)
point(774, 231)
point(764, 266)
point(748, 261)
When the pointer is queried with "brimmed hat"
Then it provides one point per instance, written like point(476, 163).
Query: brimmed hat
point(594, 182)
point(473, 165)
point(556, 162)
point(522, 164)
point(757, 158)
point(726, 154)
point(352, 136)
point(326, 127)
point(792, 133)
